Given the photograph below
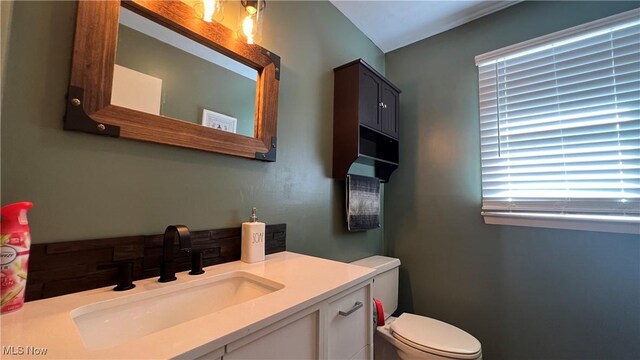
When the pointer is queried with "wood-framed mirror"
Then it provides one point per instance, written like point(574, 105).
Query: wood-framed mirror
point(90, 107)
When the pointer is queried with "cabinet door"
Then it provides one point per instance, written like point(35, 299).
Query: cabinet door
point(295, 340)
point(369, 104)
point(350, 326)
point(390, 113)
point(213, 355)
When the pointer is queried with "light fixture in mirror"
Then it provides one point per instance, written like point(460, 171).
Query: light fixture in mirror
point(250, 21)
point(161, 72)
point(209, 10)
point(93, 105)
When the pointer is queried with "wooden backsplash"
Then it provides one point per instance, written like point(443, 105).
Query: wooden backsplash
point(67, 267)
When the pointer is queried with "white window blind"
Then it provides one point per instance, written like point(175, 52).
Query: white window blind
point(560, 123)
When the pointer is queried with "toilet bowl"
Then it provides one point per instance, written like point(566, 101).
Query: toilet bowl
point(412, 336)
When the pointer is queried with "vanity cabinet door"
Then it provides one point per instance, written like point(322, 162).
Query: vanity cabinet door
point(350, 326)
point(294, 338)
point(214, 355)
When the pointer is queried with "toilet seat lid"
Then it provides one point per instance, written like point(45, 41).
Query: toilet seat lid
point(435, 337)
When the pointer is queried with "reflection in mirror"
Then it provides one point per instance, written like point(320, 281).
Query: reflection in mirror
point(164, 73)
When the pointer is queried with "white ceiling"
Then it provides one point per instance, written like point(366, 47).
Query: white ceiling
point(392, 24)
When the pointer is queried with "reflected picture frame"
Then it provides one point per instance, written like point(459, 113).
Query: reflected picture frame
point(214, 120)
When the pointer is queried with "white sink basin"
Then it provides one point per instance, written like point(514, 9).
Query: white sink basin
point(113, 322)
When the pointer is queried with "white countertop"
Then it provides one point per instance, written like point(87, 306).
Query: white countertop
point(307, 280)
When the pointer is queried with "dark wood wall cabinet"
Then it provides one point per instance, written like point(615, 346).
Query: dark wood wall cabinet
point(365, 120)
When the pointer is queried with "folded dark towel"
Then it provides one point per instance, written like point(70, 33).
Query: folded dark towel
point(363, 203)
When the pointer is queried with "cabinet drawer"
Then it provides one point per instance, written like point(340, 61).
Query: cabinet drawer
point(349, 327)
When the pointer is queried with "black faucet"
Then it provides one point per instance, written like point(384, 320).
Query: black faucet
point(167, 267)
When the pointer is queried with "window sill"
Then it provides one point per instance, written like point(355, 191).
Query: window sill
point(616, 224)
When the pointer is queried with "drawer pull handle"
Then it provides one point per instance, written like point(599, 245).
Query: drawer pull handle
point(355, 307)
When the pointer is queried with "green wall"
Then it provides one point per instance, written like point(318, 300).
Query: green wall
point(85, 186)
point(6, 9)
point(525, 293)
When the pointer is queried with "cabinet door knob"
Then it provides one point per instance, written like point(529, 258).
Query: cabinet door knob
point(381, 104)
point(385, 106)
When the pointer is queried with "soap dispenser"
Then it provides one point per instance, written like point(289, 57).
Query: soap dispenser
point(252, 240)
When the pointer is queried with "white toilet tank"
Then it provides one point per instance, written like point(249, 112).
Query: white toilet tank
point(385, 281)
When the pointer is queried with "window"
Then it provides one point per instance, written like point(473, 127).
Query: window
point(560, 128)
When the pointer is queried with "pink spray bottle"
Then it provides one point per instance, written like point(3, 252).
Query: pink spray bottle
point(14, 255)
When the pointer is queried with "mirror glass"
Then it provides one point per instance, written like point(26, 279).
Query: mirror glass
point(161, 72)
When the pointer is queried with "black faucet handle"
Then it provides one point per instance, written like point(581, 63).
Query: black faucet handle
point(125, 277)
point(196, 263)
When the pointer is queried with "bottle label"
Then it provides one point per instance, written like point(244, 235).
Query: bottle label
point(14, 263)
point(257, 237)
point(7, 255)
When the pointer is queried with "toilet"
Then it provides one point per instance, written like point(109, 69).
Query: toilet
point(412, 336)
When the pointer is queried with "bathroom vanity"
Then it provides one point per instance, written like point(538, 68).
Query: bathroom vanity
point(289, 306)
